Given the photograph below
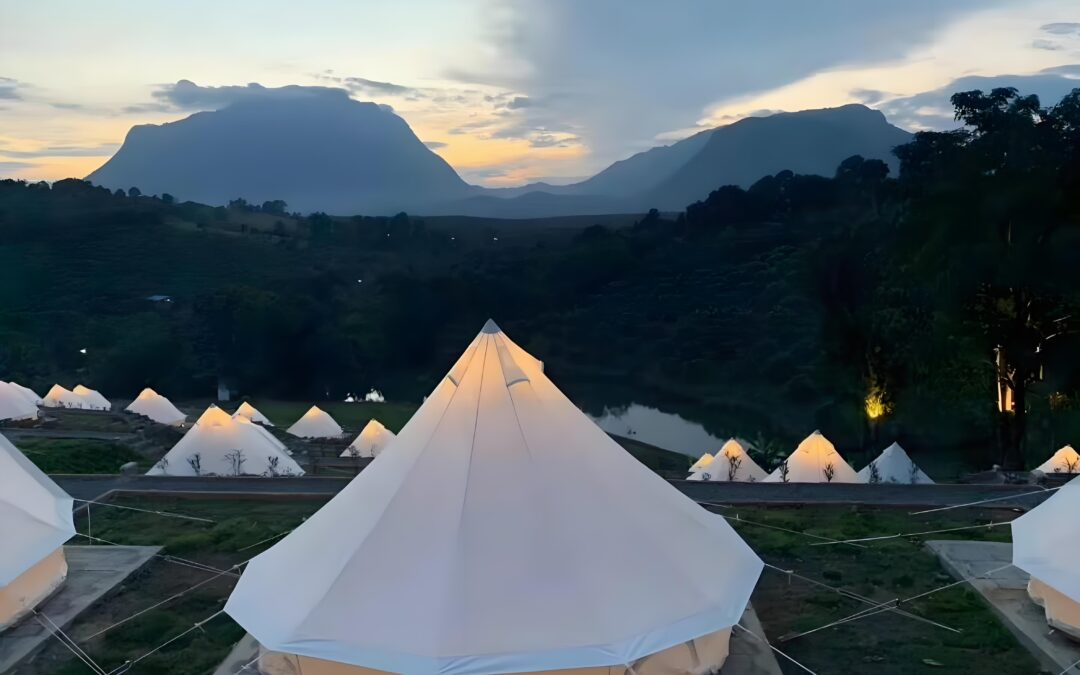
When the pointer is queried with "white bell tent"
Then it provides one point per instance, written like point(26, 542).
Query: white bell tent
point(14, 405)
point(703, 462)
point(1046, 545)
point(28, 393)
point(371, 441)
point(93, 399)
point(35, 521)
point(151, 404)
point(249, 411)
point(733, 463)
point(316, 423)
point(59, 397)
point(894, 465)
point(505, 532)
point(812, 462)
point(1065, 460)
point(218, 445)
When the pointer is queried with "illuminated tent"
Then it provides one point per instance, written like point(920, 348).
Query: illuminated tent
point(93, 400)
point(1046, 545)
point(505, 532)
point(316, 423)
point(894, 466)
point(1065, 460)
point(59, 397)
point(731, 463)
point(151, 404)
point(703, 461)
point(35, 521)
point(247, 410)
point(14, 405)
point(28, 393)
point(811, 463)
point(371, 441)
point(219, 445)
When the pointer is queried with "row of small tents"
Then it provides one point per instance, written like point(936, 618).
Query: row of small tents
point(545, 547)
point(816, 460)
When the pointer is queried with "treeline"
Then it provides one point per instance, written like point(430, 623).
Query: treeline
point(801, 302)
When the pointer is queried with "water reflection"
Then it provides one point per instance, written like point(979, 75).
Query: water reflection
point(656, 427)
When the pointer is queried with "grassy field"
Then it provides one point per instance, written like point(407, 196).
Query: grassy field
point(883, 643)
point(63, 455)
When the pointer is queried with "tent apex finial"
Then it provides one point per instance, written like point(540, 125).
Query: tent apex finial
point(491, 327)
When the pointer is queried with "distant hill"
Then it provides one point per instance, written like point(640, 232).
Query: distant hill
point(318, 152)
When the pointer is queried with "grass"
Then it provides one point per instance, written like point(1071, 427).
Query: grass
point(64, 455)
point(883, 643)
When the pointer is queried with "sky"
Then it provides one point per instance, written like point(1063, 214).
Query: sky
point(511, 91)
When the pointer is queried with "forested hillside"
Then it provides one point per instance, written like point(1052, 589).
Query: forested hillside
point(766, 312)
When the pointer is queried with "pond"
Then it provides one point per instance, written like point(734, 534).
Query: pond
point(656, 427)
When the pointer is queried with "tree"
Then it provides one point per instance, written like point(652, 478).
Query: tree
point(134, 192)
point(167, 198)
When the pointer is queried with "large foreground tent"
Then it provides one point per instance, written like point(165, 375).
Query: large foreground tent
point(732, 462)
point(893, 465)
point(371, 441)
point(35, 521)
point(28, 393)
point(505, 532)
point(151, 404)
point(94, 400)
point(14, 404)
point(249, 411)
point(814, 461)
point(316, 423)
point(1046, 545)
point(219, 445)
point(1065, 460)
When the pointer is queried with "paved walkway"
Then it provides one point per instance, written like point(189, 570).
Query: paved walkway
point(93, 571)
point(1010, 496)
point(1006, 593)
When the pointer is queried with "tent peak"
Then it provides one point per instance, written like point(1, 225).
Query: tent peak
point(491, 327)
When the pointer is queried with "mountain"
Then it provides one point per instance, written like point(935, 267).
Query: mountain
point(318, 152)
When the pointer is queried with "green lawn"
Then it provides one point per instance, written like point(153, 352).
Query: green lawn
point(64, 455)
point(883, 643)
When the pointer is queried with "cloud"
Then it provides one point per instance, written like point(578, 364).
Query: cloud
point(65, 151)
point(519, 102)
point(141, 108)
point(1048, 45)
point(15, 166)
point(67, 106)
point(434, 145)
point(186, 95)
point(1062, 28)
point(9, 89)
point(869, 96)
point(360, 84)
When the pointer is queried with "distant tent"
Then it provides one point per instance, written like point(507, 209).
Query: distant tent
point(1046, 545)
point(14, 404)
point(1065, 460)
point(316, 423)
point(537, 544)
point(371, 441)
point(812, 462)
point(264, 432)
point(94, 400)
point(218, 445)
point(732, 462)
point(28, 393)
point(247, 410)
point(35, 521)
point(894, 466)
point(151, 404)
point(59, 397)
point(703, 461)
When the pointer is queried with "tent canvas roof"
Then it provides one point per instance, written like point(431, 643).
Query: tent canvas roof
point(743, 469)
point(504, 533)
point(28, 393)
point(809, 462)
point(1046, 541)
point(93, 398)
point(35, 514)
point(14, 404)
point(216, 438)
point(702, 462)
point(372, 439)
point(895, 466)
point(1065, 460)
point(249, 411)
point(316, 423)
point(151, 404)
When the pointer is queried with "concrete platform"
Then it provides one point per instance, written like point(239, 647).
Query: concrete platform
point(748, 656)
point(93, 571)
point(1006, 593)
